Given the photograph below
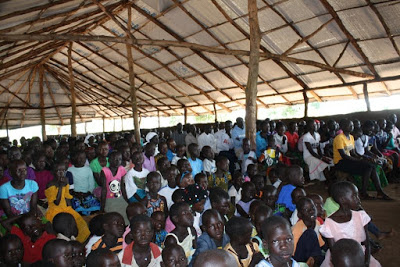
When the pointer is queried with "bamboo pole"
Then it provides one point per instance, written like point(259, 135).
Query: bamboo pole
point(134, 103)
point(166, 43)
point(158, 116)
point(251, 88)
point(306, 100)
point(42, 112)
point(104, 124)
point(185, 115)
point(72, 90)
point(8, 134)
point(215, 113)
point(366, 97)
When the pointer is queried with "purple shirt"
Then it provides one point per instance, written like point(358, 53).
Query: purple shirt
point(30, 174)
point(149, 163)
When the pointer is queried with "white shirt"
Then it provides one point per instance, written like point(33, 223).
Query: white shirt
point(300, 144)
point(281, 142)
point(314, 142)
point(209, 166)
point(174, 161)
point(167, 193)
point(233, 193)
point(223, 141)
point(246, 161)
point(206, 140)
point(130, 185)
point(360, 144)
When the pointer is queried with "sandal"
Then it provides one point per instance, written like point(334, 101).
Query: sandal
point(367, 197)
point(384, 197)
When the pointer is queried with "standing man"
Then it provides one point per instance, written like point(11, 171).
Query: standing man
point(238, 134)
point(179, 135)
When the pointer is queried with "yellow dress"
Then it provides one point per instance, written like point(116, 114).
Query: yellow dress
point(53, 210)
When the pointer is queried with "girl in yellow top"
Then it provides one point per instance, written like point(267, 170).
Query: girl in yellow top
point(59, 199)
point(347, 161)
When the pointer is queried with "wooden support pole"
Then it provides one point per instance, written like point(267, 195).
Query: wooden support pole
point(113, 124)
point(251, 88)
point(104, 125)
point(122, 123)
point(366, 97)
point(215, 113)
point(185, 115)
point(306, 100)
point(8, 134)
point(72, 91)
point(42, 111)
point(158, 116)
point(134, 103)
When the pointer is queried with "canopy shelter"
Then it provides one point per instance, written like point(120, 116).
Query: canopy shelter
point(59, 58)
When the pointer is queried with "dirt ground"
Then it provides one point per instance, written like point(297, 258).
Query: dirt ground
point(386, 215)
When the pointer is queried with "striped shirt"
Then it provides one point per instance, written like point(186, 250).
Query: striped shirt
point(101, 244)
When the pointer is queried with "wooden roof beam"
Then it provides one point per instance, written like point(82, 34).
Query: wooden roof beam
point(339, 22)
point(28, 95)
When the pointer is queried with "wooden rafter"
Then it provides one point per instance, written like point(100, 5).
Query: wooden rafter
point(28, 95)
point(350, 37)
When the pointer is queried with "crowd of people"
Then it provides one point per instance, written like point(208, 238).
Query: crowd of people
point(198, 196)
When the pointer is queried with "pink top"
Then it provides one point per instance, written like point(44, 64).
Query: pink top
point(114, 182)
point(169, 225)
point(42, 179)
point(149, 163)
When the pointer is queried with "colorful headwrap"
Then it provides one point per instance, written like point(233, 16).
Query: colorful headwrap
point(194, 193)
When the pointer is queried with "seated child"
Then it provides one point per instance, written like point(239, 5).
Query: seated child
point(11, 251)
point(252, 169)
point(258, 181)
point(248, 195)
point(209, 166)
point(173, 256)
point(269, 198)
point(272, 155)
point(14, 153)
point(201, 179)
point(196, 197)
point(184, 166)
point(158, 221)
point(235, 191)
point(32, 234)
point(318, 202)
point(153, 201)
point(180, 154)
point(296, 179)
point(195, 162)
point(347, 253)
point(246, 156)
point(177, 197)
point(112, 199)
point(135, 179)
point(96, 231)
point(57, 253)
point(261, 214)
point(162, 165)
point(219, 200)
point(141, 251)
point(296, 195)
point(222, 176)
point(42, 175)
point(83, 185)
point(170, 175)
point(213, 235)
point(347, 222)
point(273, 177)
point(185, 180)
point(102, 257)
point(133, 209)
point(64, 226)
point(60, 202)
point(215, 257)
point(114, 227)
point(18, 196)
point(184, 233)
point(276, 231)
point(239, 231)
point(306, 237)
point(78, 254)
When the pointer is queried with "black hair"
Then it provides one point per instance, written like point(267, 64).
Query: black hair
point(198, 176)
point(295, 190)
point(96, 257)
point(161, 161)
point(207, 215)
point(156, 213)
point(175, 208)
point(37, 155)
point(217, 194)
point(339, 188)
point(109, 217)
point(7, 239)
point(268, 188)
point(214, 257)
point(348, 248)
point(256, 177)
point(152, 175)
point(271, 223)
point(50, 249)
point(302, 202)
point(62, 222)
point(141, 218)
point(247, 185)
point(220, 158)
point(96, 225)
point(280, 124)
point(236, 227)
point(114, 153)
point(167, 250)
point(343, 123)
point(177, 195)
point(180, 163)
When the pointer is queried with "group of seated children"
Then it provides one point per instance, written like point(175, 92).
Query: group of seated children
point(188, 209)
